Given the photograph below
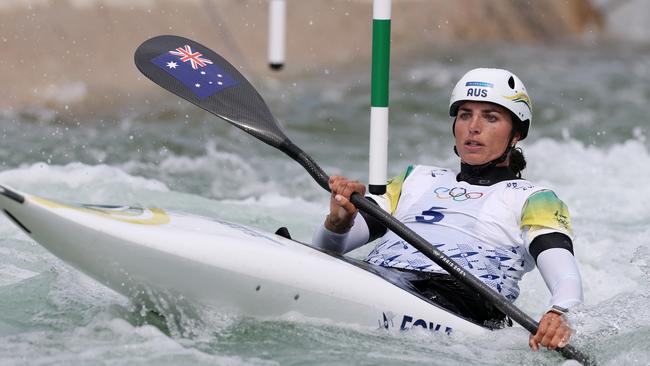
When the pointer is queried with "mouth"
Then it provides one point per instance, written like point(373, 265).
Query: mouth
point(473, 143)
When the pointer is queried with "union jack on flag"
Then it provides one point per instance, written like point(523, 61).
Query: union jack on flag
point(201, 76)
point(186, 54)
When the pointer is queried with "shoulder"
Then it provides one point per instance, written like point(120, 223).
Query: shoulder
point(515, 193)
point(411, 180)
point(544, 199)
point(545, 209)
point(537, 207)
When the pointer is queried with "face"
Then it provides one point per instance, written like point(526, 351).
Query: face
point(482, 131)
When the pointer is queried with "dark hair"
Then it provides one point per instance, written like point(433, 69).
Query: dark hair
point(517, 161)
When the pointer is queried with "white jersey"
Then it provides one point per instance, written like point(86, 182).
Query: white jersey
point(486, 229)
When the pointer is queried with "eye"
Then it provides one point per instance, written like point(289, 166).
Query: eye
point(491, 118)
point(464, 115)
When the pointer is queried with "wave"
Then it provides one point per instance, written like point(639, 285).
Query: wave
point(79, 182)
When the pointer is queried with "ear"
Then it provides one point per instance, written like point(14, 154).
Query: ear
point(515, 139)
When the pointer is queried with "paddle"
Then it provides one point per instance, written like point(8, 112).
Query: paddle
point(202, 77)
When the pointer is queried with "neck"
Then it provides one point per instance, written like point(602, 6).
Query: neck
point(484, 175)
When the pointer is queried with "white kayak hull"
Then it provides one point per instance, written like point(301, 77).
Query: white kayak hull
point(136, 251)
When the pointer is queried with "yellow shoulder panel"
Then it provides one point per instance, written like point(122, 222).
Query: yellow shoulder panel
point(394, 189)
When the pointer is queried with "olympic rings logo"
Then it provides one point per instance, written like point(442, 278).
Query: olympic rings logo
point(458, 194)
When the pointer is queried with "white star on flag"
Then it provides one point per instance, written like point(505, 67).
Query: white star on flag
point(172, 65)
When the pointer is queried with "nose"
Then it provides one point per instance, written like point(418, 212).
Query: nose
point(474, 125)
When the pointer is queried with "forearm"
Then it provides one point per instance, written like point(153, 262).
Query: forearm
point(560, 271)
point(357, 236)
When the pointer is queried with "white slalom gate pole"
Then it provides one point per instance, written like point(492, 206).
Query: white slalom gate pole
point(277, 33)
point(378, 155)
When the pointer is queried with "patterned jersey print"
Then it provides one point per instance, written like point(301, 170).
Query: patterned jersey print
point(485, 229)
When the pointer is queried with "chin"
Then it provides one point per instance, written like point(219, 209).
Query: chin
point(473, 161)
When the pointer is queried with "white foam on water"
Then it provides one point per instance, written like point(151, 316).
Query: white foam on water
point(10, 274)
point(77, 181)
point(606, 194)
point(228, 174)
point(108, 341)
point(217, 173)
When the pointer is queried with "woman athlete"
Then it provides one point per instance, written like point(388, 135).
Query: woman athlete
point(486, 217)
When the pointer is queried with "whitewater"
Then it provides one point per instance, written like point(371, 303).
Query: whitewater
point(588, 141)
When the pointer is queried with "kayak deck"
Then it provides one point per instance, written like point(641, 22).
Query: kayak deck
point(138, 251)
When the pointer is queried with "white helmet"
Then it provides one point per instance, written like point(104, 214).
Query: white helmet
point(496, 86)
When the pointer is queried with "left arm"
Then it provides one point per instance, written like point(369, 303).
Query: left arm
point(559, 270)
point(547, 233)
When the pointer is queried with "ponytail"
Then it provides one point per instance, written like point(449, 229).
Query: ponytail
point(517, 161)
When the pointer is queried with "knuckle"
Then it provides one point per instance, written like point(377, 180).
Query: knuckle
point(547, 339)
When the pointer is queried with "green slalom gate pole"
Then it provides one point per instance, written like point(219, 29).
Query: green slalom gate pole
point(378, 155)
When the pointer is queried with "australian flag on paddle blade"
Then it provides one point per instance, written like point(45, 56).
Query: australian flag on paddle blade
point(197, 73)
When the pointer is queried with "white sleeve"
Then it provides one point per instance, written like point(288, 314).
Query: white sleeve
point(560, 272)
point(342, 243)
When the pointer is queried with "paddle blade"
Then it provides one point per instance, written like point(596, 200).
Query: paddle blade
point(202, 77)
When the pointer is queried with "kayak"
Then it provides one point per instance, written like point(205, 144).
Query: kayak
point(136, 251)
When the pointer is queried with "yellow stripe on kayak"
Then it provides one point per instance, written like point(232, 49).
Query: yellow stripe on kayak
point(158, 216)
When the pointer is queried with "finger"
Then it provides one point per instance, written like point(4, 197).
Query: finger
point(332, 179)
point(336, 177)
point(555, 338)
point(349, 188)
point(559, 337)
point(361, 188)
point(532, 344)
point(345, 189)
point(337, 204)
point(565, 340)
point(336, 180)
point(550, 332)
point(356, 186)
point(339, 188)
point(541, 330)
point(566, 337)
point(335, 188)
point(346, 204)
